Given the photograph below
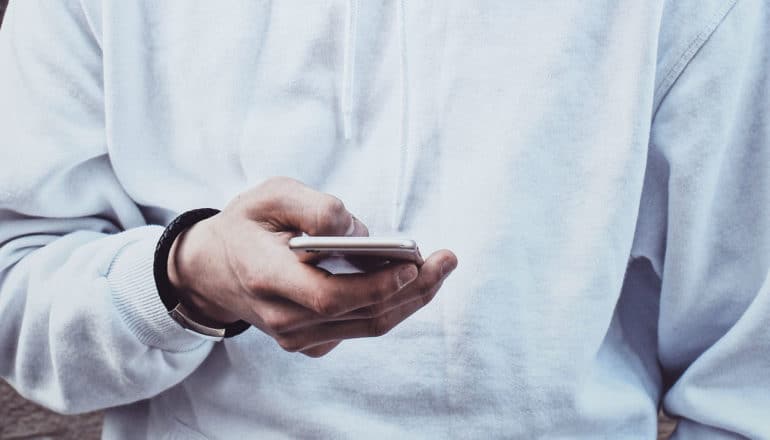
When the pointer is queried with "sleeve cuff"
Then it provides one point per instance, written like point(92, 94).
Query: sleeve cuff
point(136, 298)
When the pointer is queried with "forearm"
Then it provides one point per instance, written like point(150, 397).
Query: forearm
point(82, 326)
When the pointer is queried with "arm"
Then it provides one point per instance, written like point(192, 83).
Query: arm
point(705, 225)
point(82, 322)
point(82, 327)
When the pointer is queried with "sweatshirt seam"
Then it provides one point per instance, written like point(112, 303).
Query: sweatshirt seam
point(689, 54)
point(91, 28)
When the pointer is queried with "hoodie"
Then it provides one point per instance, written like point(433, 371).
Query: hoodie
point(600, 169)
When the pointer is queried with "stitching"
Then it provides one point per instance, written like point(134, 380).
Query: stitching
point(692, 49)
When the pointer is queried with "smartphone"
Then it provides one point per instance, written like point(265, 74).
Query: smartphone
point(368, 248)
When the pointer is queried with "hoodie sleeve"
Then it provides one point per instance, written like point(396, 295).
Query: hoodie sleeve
point(705, 226)
point(81, 324)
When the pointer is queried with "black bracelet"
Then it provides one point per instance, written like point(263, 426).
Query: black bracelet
point(166, 291)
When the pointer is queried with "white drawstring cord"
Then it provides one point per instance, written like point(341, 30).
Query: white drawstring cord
point(404, 147)
point(348, 75)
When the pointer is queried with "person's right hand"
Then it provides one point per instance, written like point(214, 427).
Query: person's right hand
point(237, 265)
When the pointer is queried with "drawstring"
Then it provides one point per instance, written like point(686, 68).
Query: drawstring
point(346, 101)
point(348, 75)
point(399, 197)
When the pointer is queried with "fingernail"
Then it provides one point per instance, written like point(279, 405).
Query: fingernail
point(352, 227)
point(406, 276)
point(446, 267)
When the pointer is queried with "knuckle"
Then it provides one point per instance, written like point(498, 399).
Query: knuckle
point(427, 293)
point(331, 213)
point(314, 354)
point(324, 305)
point(267, 203)
point(435, 277)
point(318, 352)
point(373, 310)
point(426, 287)
point(427, 296)
point(380, 326)
point(271, 194)
point(380, 291)
point(364, 231)
point(394, 283)
point(388, 285)
point(289, 344)
point(428, 281)
point(276, 322)
point(334, 206)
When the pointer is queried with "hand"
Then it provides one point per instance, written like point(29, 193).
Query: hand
point(237, 265)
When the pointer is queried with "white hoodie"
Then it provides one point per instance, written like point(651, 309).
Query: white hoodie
point(600, 169)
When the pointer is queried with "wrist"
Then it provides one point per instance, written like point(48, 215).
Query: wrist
point(182, 264)
point(183, 257)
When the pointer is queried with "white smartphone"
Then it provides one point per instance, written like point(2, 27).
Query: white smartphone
point(371, 248)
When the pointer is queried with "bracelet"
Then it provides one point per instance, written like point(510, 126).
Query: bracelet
point(167, 293)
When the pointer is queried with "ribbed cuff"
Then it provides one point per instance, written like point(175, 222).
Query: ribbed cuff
point(134, 294)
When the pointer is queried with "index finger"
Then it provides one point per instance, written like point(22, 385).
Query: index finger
point(288, 204)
